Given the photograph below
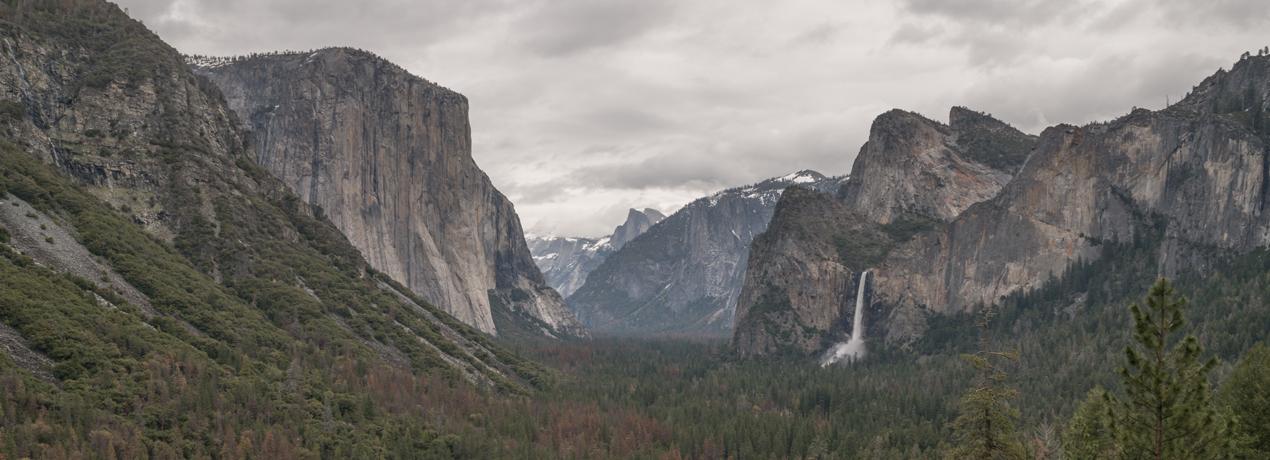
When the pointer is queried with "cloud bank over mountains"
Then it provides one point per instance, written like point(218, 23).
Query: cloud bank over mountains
point(582, 109)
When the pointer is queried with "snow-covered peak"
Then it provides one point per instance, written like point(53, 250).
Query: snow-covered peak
point(802, 177)
point(768, 191)
point(599, 244)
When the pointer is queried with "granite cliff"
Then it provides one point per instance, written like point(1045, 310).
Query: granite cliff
point(1192, 176)
point(683, 275)
point(134, 178)
point(566, 261)
point(1189, 180)
point(387, 157)
point(911, 177)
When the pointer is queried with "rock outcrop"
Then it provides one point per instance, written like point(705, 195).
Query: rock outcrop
point(1193, 176)
point(1189, 180)
point(911, 177)
point(637, 222)
point(136, 178)
point(913, 166)
point(683, 276)
point(566, 261)
point(387, 156)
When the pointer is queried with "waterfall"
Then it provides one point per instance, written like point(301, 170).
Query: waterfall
point(853, 348)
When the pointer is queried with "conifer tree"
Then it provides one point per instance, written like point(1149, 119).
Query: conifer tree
point(985, 427)
point(1246, 395)
point(1088, 434)
point(1166, 411)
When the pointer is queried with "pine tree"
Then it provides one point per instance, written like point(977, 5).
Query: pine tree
point(1088, 434)
point(1167, 411)
point(1246, 395)
point(985, 427)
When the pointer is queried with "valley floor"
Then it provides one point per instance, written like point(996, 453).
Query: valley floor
point(694, 399)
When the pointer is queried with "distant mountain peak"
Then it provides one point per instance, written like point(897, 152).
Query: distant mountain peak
point(566, 261)
point(802, 177)
point(637, 222)
point(683, 276)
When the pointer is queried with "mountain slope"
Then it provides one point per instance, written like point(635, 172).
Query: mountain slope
point(637, 222)
point(913, 175)
point(1191, 177)
point(1196, 171)
point(387, 157)
point(682, 277)
point(566, 261)
point(165, 297)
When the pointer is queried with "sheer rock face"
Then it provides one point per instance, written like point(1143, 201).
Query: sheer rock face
point(566, 261)
point(637, 222)
point(797, 287)
point(912, 176)
point(1192, 177)
point(913, 165)
point(683, 276)
point(387, 156)
point(126, 118)
point(112, 135)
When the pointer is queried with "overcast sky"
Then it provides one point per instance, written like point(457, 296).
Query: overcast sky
point(584, 108)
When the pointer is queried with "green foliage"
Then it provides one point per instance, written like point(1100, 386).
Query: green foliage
point(120, 50)
point(770, 313)
point(661, 398)
point(988, 142)
point(907, 225)
point(260, 360)
point(985, 427)
point(1088, 434)
point(861, 246)
point(1166, 411)
point(12, 110)
point(1246, 396)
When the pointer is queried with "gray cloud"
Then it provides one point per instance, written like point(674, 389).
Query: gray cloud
point(1238, 13)
point(1003, 12)
point(237, 26)
point(562, 27)
point(822, 33)
point(910, 33)
point(661, 171)
point(613, 120)
point(584, 108)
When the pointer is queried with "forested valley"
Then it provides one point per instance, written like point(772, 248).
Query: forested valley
point(171, 287)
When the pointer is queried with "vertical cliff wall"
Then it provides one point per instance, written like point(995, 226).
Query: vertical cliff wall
point(911, 177)
point(1193, 176)
point(387, 156)
point(566, 261)
point(131, 173)
point(683, 276)
point(1191, 180)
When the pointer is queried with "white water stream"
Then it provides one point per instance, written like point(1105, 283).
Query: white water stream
point(853, 348)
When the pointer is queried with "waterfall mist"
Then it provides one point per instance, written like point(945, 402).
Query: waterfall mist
point(853, 348)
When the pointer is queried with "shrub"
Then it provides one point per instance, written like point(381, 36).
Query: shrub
point(12, 110)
